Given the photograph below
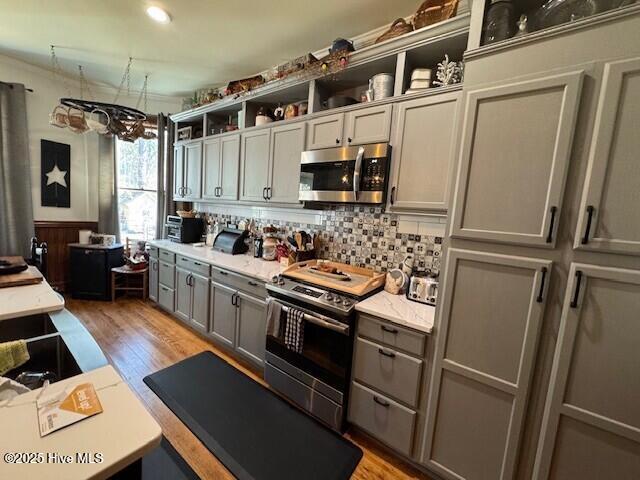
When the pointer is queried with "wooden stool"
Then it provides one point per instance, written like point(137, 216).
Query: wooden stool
point(126, 274)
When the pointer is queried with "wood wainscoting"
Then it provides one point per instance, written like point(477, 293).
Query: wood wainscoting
point(58, 235)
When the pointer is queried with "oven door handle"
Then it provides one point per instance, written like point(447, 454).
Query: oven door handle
point(317, 319)
point(356, 172)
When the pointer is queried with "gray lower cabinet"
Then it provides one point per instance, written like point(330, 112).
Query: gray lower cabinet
point(192, 298)
point(166, 298)
point(386, 381)
point(183, 294)
point(238, 321)
point(153, 279)
point(591, 422)
point(251, 327)
point(483, 363)
point(222, 325)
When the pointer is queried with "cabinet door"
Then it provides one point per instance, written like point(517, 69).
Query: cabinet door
point(222, 320)
point(287, 145)
point(610, 219)
point(368, 125)
point(211, 168)
point(199, 302)
point(153, 279)
point(229, 167)
point(325, 132)
point(178, 173)
point(516, 144)
point(423, 150)
point(193, 170)
point(254, 165)
point(483, 361)
point(591, 423)
point(252, 327)
point(183, 294)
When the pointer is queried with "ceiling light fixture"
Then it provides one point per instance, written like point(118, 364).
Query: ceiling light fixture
point(158, 15)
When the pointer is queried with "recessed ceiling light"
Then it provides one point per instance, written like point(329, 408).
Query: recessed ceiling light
point(158, 14)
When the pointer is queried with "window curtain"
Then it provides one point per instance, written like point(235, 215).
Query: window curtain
point(108, 221)
point(16, 208)
point(166, 206)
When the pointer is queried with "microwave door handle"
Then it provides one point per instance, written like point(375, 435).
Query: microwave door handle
point(356, 172)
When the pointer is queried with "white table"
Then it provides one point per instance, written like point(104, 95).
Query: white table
point(123, 433)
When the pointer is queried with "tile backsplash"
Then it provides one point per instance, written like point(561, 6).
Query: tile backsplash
point(357, 235)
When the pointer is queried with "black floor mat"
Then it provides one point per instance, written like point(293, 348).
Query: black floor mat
point(165, 463)
point(253, 432)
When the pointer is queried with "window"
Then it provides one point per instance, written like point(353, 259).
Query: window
point(137, 188)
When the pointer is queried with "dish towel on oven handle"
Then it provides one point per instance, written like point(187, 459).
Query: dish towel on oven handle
point(274, 310)
point(294, 331)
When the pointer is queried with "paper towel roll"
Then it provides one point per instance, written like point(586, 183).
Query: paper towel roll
point(83, 236)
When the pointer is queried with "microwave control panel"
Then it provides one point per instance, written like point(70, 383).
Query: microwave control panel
point(374, 172)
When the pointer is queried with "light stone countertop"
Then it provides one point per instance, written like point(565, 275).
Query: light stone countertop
point(397, 309)
point(122, 433)
point(29, 300)
point(244, 264)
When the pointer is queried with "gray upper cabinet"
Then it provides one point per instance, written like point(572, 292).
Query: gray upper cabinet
point(483, 363)
point(193, 170)
point(222, 324)
point(229, 166)
point(325, 131)
point(199, 317)
point(516, 144)
point(287, 145)
point(178, 173)
point(368, 125)
point(422, 155)
point(211, 169)
point(251, 327)
point(254, 165)
point(183, 294)
point(591, 423)
point(610, 217)
point(220, 168)
point(153, 279)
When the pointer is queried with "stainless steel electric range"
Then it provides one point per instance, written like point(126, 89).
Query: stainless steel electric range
point(317, 376)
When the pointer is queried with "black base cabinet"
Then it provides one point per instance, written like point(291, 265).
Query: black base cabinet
point(91, 270)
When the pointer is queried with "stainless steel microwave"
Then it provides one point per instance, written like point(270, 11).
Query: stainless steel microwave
point(357, 174)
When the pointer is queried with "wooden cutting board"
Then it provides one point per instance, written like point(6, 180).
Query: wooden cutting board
point(30, 276)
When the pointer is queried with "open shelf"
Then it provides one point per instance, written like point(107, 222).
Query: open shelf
point(190, 129)
point(217, 121)
point(294, 94)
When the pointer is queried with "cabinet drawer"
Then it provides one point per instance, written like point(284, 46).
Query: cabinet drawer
point(383, 418)
point(166, 298)
point(389, 371)
point(391, 334)
point(240, 282)
point(167, 276)
point(195, 266)
point(167, 256)
point(153, 251)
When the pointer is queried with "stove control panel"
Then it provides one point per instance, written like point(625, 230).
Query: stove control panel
point(321, 297)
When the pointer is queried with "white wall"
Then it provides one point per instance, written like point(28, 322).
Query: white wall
point(84, 148)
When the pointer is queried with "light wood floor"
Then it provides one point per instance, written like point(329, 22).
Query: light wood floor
point(139, 339)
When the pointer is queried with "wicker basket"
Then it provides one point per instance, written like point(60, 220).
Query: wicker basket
point(397, 28)
point(434, 11)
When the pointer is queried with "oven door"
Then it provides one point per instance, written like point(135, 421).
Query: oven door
point(326, 351)
point(344, 175)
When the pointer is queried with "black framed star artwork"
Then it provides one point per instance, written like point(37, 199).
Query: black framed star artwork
point(55, 174)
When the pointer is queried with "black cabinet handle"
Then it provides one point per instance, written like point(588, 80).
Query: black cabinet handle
point(268, 193)
point(544, 277)
point(388, 329)
point(587, 230)
point(393, 192)
point(253, 284)
point(381, 402)
point(337, 141)
point(551, 224)
point(197, 263)
point(349, 140)
point(222, 272)
point(576, 293)
point(233, 299)
point(220, 191)
point(382, 351)
point(264, 194)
